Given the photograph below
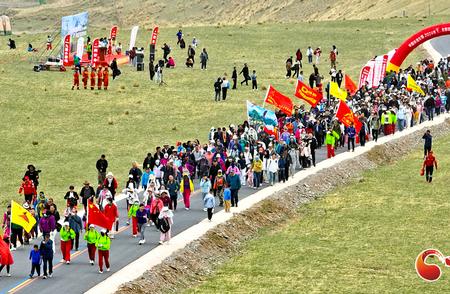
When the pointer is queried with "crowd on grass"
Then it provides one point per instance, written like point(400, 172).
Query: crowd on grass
point(233, 157)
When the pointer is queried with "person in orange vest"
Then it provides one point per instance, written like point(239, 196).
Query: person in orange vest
point(76, 79)
point(428, 165)
point(85, 77)
point(92, 78)
point(99, 78)
point(105, 78)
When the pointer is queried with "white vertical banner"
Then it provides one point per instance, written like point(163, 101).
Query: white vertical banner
point(80, 47)
point(133, 36)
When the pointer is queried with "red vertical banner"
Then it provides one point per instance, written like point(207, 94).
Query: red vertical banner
point(95, 53)
point(66, 50)
point(154, 36)
point(113, 33)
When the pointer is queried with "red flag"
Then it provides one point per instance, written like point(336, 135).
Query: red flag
point(113, 33)
point(347, 117)
point(279, 100)
point(271, 130)
point(5, 254)
point(350, 85)
point(154, 36)
point(96, 217)
point(66, 50)
point(304, 92)
point(95, 52)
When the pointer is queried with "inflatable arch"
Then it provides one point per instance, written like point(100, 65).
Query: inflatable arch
point(5, 25)
point(415, 40)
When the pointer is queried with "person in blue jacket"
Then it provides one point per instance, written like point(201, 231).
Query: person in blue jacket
point(46, 250)
point(35, 257)
point(351, 133)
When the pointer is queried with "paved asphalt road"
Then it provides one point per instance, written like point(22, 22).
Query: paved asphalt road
point(441, 45)
point(80, 276)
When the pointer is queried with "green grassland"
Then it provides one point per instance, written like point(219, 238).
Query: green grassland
point(360, 238)
point(70, 129)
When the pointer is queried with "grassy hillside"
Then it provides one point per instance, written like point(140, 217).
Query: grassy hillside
point(63, 132)
point(362, 238)
point(201, 12)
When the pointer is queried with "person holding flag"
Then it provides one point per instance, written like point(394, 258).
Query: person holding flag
point(6, 259)
point(112, 214)
point(67, 235)
point(21, 219)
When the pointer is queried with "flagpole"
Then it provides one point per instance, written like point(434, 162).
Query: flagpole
point(267, 93)
point(10, 225)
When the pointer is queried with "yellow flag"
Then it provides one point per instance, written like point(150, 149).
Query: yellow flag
point(411, 84)
point(337, 92)
point(22, 217)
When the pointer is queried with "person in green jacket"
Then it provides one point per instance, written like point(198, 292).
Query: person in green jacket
point(393, 120)
point(91, 237)
point(330, 141)
point(67, 235)
point(132, 213)
point(103, 244)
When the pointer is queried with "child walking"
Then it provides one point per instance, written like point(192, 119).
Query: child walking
point(165, 225)
point(35, 257)
point(209, 203)
point(227, 199)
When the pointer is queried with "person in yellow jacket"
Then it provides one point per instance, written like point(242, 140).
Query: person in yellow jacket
point(103, 244)
point(186, 188)
point(67, 235)
point(257, 167)
point(91, 237)
point(132, 213)
point(330, 141)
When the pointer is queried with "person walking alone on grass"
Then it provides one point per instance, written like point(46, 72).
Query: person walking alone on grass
point(103, 245)
point(234, 182)
point(245, 73)
point(217, 89)
point(91, 237)
point(309, 53)
point(428, 165)
point(203, 59)
point(35, 257)
point(46, 250)
point(254, 82)
point(428, 142)
point(165, 219)
point(102, 163)
point(186, 188)
point(234, 77)
point(209, 203)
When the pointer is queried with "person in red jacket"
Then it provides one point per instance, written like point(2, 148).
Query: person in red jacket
point(76, 80)
point(99, 78)
point(105, 78)
point(28, 189)
point(85, 77)
point(112, 214)
point(428, 165)
point(155, 208)
point(92, 78)
point(111, 183)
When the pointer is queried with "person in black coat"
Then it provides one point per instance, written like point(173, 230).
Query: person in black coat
point(102, 166)
point(245, 72)
point(234, 78)
point(217, 89)
point(166, 51)
point(149, 162)
point(32, 174)
point(115, 69)
point(86, 193)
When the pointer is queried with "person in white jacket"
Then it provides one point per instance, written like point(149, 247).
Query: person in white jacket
point(272, 167)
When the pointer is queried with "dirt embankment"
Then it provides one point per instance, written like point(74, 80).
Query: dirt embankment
point(190, 265)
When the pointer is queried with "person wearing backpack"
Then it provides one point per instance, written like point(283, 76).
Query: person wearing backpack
point(209, 203)
point(165, 219)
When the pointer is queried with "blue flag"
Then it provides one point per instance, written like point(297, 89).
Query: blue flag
point(261, 114)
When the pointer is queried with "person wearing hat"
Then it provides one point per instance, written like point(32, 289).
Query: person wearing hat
point(103, 245)
point(130, 184)
point(86, 193)
point(209, 203)
point(213, 172)
point(165, 220)
point(132, 213)
point(141, 217)
point(219, 186)
point(167, 202)
point(46, 250)
point(111, 183)
point(186, 188)
point(67, 235)
point(91, 237)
